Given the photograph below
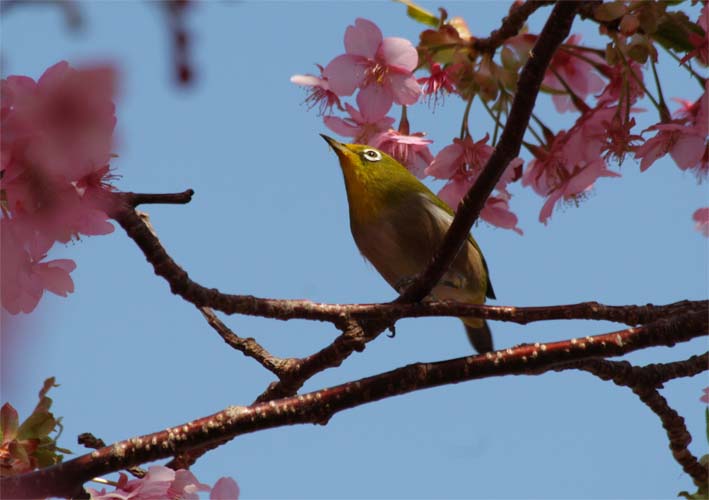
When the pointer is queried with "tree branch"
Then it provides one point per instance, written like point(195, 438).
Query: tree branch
point(139, 230)
point(553, 34)
point(510, 26)
point(318, 407)
point(645, 382)
point(134, 199)
point(248, 346)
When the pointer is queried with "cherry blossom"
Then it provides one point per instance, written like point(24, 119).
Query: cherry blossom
point(570, 165)
point(461, 163)
point(411, 150)
point(701, 220)
point(622, 88)
point(320, 93)
point(24, 275)
point(577, 73)
point(363, 123)
point(162, 482)
point(63, 122)
point(686, 146)
point(380, 67)
point(439, 83)
point(55, 148)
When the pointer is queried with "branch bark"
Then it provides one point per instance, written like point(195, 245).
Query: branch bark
point(318, 407)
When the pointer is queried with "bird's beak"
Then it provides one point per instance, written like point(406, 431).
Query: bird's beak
point(342, 151)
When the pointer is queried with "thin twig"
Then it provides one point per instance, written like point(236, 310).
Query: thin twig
point(247, 346)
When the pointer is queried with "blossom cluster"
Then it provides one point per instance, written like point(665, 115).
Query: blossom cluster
point(162, 482)
point(602, 86)
point(55, 151)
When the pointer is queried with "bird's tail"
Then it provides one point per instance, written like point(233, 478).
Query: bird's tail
point(479, 334)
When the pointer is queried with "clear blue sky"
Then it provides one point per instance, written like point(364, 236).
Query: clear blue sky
point(270, 218)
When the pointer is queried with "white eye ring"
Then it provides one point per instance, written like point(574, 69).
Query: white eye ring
point(372, 154)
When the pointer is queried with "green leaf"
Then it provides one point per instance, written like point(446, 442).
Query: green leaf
point(36, 426)
point(673, 31)
point(420, 14)
point(9, 421)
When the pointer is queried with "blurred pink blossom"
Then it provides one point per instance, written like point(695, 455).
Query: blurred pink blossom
point(63, 123)
point(23, 275)
point(410, 150)
point(54, 150)
point(701, 222)
point(578, 74)
point(380, 67)
point(163, 483)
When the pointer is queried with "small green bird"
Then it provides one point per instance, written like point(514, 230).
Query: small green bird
point(398, 224)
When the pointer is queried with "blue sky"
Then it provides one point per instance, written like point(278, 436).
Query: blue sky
point(270, 218)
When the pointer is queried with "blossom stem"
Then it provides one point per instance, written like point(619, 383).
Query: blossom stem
point(638, 80)
point(464, 126)
point(545, 130)
point(575, 99)
point(404, 121)
point(598, 52)
point(664, 111)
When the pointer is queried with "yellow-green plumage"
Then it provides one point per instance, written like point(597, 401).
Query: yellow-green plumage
point(398, 223)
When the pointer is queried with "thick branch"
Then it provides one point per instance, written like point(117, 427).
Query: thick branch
point(553, 34)
point(318, 407)
point(284, 309)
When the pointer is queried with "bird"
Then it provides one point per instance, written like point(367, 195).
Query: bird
point(398, 224)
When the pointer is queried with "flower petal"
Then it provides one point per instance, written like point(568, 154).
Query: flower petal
point(344, 74)
point(399, 53)
point(374, 102)
point(363, 38)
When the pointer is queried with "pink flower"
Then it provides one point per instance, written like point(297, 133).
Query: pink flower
point(64, 122)
point(224, 489)
point(410, 150)
point(362, 124)
point(461, 163)
point(23, 275)
point(622, 88)
point(497, 212)
point(439, 83)
point(381, 67)
point(701, 222)
point(572, 163)
point(163, 483)
point(320, 93)
point(687, 146)
point(577, 73)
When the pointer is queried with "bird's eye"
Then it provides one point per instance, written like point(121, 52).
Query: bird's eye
point(372, 155)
